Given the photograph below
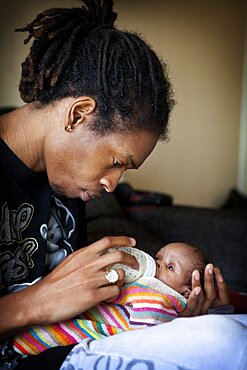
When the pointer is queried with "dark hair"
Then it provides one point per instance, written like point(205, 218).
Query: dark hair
point(78, 51)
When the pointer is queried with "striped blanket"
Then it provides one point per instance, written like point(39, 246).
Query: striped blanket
point(145, 302)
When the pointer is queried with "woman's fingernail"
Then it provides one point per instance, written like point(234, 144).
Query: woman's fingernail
point(197, 290)
point(221, 280)
point(197, 275)
point(210, 271)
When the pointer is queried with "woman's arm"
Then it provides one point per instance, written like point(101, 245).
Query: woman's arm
point(75, 285)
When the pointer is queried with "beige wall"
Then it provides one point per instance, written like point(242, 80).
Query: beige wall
point(242, 173)
point(202, 41)
point(14, 14)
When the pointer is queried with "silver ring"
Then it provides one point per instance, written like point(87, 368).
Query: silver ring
point(111, 276)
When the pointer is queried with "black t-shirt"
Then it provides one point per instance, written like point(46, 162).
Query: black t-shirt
point(38, 229)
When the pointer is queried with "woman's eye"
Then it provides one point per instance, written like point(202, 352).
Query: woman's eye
point(170, 267)
point(116, 163)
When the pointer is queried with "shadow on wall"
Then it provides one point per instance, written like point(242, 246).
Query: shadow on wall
point(4, 110)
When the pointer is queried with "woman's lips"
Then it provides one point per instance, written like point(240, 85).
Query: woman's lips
point(85, 196)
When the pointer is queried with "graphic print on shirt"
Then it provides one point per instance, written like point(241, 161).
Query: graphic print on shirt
point(60, 227)
point(16, 262)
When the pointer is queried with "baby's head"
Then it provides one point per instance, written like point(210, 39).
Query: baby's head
point(175, 263)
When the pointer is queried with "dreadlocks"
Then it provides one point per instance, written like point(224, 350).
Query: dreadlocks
point(78, 51)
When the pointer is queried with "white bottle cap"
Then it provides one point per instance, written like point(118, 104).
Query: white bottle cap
point(147, 265)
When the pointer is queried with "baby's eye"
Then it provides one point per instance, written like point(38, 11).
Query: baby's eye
point(170, 267)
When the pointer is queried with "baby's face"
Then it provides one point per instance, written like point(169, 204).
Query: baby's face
point(172, 265)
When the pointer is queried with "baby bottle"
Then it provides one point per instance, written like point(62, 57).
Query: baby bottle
point(147, 266)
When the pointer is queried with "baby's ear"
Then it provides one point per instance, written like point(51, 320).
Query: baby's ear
point(186, 292)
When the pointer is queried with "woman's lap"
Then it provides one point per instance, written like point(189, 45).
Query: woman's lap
point(205, 342)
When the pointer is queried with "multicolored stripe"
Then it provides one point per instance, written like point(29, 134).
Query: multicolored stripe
point(145, 302)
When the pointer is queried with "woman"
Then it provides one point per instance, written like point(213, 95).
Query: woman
point(97, 101)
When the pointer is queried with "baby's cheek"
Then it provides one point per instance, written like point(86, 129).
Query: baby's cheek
point(158, 274)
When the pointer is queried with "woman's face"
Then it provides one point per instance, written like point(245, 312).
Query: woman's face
point(83, 163)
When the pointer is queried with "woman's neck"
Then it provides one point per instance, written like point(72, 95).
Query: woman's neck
point(21, 131)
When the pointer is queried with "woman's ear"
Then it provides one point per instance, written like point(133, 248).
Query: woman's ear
point(78, 110)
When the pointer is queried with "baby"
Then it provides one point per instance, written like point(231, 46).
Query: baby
point(175, 264)
point(145, 302)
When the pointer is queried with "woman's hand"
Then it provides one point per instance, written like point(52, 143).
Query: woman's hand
point(75, 285)
point(198, 302)
point(222, 298)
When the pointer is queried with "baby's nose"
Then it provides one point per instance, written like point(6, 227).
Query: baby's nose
point(158, 264)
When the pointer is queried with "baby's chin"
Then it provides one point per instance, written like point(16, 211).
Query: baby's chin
point(158, 277)
point(184, 294)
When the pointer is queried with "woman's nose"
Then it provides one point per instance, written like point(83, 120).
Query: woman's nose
point(110, 182)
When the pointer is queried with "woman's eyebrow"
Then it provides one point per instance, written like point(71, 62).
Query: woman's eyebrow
point(131, 162)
